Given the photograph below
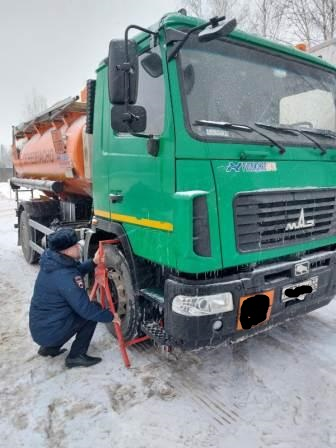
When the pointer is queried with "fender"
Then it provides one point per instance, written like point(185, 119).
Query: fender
point(116, 230)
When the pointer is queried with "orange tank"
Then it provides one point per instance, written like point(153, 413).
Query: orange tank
point(52, 147)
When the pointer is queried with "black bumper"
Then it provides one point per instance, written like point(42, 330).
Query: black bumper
point(193, 332)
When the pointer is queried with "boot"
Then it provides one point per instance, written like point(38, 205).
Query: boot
point(51, 351)
point(81, 361)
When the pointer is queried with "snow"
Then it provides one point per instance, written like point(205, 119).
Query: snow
point(5, 190)
point(273, 390)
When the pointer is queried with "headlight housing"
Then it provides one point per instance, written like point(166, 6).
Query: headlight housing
point(203, 305)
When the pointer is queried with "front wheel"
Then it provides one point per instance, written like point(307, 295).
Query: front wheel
point(122, 291)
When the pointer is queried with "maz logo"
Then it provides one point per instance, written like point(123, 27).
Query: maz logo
point(301, 223)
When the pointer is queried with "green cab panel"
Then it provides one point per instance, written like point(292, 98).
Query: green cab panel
point(123, 167)
point(266, 178)
point(194, 178)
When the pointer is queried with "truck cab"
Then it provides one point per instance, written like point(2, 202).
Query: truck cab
point(237, 205)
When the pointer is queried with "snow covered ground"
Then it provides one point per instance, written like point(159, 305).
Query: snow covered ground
point(274, 390)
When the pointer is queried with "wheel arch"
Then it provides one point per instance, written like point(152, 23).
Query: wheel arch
point(142, 271)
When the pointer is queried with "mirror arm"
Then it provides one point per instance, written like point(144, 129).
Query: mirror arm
point(182, 42)
point(145, 30)
point(213, 22)
point(126, 66)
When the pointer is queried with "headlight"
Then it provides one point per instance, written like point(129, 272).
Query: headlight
point(203, 305)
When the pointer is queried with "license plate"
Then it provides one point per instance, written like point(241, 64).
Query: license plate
point(312, 282)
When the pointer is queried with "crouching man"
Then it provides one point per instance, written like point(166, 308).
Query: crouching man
point(60, 307)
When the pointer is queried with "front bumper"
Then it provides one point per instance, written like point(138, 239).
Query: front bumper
point(193, 332)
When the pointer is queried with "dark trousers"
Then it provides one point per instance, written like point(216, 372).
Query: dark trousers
point(83, 329)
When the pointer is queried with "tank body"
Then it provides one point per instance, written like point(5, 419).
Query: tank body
point(55, 152)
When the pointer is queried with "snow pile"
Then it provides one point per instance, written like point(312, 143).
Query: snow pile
point(6, 191)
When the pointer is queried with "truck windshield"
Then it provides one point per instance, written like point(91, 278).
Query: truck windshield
point(226, 82)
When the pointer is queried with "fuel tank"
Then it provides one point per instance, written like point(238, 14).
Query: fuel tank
point(54, 146)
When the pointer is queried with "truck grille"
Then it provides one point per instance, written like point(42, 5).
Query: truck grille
point(275, 219)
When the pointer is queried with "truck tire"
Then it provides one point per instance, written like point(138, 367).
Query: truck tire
point(122, 290)
point(26, 234)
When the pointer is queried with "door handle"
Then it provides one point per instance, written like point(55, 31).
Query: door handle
point(116, 198)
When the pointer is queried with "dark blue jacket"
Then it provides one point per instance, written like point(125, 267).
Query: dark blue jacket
point(59, 299)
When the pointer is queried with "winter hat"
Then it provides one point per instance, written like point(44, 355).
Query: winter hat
point(62, 239)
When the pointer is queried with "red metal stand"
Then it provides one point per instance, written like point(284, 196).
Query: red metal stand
point(101, 284)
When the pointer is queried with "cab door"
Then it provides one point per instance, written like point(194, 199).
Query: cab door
point(140, 184)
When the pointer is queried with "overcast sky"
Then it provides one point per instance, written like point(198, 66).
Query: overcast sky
point(54, 46)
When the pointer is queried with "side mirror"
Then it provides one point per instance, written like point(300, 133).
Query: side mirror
point(123, 74)
point(152, 64)
point(130, 120)
point(213, 32)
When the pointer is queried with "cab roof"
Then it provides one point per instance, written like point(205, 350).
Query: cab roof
point(177, 20)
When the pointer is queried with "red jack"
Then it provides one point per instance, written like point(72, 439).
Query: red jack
point(102, 285)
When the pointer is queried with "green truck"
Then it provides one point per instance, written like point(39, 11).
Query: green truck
point(212, 162)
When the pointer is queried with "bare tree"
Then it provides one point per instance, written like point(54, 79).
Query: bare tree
point(194, 7)
point(221, 7)
point(34, 104)
point(230, 8)
point(269, 18)
point(312, 21)
point(324, 17)
point(299, 16)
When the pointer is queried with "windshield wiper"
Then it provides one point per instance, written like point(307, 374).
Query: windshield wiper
point(294, 131)
point(324, 132)
point(240, 127)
